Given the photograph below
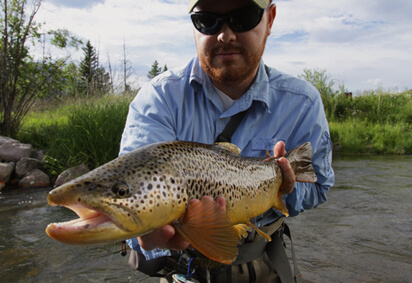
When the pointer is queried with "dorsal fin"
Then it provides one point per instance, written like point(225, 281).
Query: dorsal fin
point(228, 146)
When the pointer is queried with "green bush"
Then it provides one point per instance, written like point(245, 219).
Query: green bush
point(354, 136)
point(90, 134)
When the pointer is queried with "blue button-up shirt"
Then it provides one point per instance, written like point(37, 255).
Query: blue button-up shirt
point(182, 104)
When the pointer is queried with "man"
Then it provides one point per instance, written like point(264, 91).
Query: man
point(196, 102)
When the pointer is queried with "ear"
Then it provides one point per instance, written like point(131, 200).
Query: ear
point(271, 13)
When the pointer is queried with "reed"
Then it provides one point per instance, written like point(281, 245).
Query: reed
point(86, 133)
point(89, 130)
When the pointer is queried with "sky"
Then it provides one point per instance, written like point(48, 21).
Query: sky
point(362, 44)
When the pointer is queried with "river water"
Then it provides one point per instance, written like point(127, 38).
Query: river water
point(362, 234)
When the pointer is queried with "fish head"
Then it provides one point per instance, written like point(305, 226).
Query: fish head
point(119, 200)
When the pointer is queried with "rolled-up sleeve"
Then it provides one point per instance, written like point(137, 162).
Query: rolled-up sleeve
point(149, 120)
point(313, 127)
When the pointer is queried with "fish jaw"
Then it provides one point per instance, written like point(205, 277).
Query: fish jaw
point(104, 218)
point(91, 228)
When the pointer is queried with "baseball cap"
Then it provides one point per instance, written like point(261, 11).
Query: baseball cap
point(261, 3)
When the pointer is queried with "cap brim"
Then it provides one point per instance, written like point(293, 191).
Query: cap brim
point(261, 3)
point(192, 4)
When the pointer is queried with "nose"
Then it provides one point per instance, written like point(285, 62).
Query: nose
point(226, 34)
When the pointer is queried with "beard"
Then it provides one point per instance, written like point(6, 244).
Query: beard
point(232, 71)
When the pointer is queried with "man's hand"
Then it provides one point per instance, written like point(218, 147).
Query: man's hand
point(166, 236)
point(288, 174)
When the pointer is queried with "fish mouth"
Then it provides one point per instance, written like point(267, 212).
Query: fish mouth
point(92, 227)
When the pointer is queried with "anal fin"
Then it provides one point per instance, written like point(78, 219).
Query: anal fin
point(260, 232)
point(242, 230)
point(208, 229)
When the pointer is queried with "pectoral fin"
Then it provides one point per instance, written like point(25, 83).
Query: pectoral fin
point(209, 230)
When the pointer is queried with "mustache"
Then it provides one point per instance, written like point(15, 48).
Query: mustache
point(227, 48)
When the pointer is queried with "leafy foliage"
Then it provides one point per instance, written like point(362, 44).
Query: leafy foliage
point(375, 122)
point(89, 133)
point(22, 78)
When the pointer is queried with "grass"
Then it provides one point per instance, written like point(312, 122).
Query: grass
point(81, 132)
point(89, 130)
point(374, 123)
point(364, 137)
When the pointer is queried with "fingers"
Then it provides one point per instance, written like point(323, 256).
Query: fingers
point(279, 149)
point(288, 176)
point(222, 202)
point(158, 238)
point(164, 238)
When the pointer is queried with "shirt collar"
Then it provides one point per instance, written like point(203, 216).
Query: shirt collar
point(259, 90)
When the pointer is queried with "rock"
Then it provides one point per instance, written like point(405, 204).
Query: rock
point(4, 140)
point(40, 155)
point(15, 151)
point(71, 174)
point(35, 179)
point(6, 169)
point(25, 165)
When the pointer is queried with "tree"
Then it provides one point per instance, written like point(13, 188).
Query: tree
point(20, 77)
point(320, 79)
point(156, 70)
point(89, 66)
point(95, 78)
point(127, 70)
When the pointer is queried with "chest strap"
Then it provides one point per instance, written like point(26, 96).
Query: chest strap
point(275, 250)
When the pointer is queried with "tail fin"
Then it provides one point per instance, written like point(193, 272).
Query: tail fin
point(300, 159)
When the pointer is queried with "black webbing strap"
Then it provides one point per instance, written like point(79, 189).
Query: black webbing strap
point(277, 255)
point(234, 122)
point(231, 127)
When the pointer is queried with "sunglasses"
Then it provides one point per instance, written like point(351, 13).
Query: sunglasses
point(241, 20)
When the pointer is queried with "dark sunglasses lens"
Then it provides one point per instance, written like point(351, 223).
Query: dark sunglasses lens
point(206, 23)
point(246, 19)
point(241, 20)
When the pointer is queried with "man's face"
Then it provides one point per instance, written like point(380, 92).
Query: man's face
point(230, 57)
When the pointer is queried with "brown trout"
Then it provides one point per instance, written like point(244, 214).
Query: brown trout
point(149, 187)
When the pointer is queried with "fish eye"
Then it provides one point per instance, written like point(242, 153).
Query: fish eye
point(121, 189)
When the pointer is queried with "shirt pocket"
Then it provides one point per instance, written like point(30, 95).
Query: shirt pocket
point(263, 145)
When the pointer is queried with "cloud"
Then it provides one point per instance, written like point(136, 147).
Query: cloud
point(356, 41)
point(79, 4)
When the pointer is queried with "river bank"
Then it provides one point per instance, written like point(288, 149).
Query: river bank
point(88, 130)
point(361, 234)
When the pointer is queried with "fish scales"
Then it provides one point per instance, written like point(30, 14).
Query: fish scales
point(141, 191)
